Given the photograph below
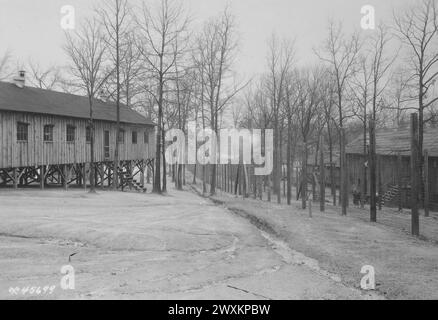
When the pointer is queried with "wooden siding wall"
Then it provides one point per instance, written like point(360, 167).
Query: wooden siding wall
point(36, 152)
point(389, 171)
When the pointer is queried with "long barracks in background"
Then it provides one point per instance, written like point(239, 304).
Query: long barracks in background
point(45, 137)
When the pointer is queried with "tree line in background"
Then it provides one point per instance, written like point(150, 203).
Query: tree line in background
point(156, 59)
point(373, 78)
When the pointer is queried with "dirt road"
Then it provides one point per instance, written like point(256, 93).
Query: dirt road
point(144, 246)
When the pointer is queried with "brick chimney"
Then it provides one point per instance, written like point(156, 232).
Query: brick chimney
point(20, 79)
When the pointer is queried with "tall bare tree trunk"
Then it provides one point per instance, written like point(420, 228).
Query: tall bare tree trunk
point(92, 168)
point(164, 189)
point(288, 163)
point(304, 176)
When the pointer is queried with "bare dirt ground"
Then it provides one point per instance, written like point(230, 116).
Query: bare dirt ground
point(144, 246)
point(406, 267)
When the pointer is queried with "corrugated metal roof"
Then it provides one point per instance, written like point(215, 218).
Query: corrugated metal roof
point(396, 141)
point(35, 100)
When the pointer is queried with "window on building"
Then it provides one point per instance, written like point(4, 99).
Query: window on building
point(146, 137)
point(88, 134)
point(22, 134)
point(48, 133)
point(121, 136)
point(71, 133)
point(134, 137)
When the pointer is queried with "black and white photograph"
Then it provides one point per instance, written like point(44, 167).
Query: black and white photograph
point(238, 152)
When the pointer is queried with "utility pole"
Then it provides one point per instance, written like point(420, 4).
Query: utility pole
point(415, 222)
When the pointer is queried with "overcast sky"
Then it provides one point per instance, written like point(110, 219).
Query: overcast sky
point(31, 29)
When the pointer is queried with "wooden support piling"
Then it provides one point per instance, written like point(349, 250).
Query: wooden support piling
point(42, 176)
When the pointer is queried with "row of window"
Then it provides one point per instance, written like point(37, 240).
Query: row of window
point(22, 134)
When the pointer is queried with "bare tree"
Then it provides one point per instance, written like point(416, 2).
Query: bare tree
point(159, 29)
point(401, 95)
point(185, 97)
point(341, 54)
point(330, 117)
point(48, 78)
point(381, 63)
point(114, 18)
point(280, 59)
point(308, 109)
point(216, 46)
point(86, 49)
point(292, 97)
point(367, 87)
point(5, 60)
point(362, 93)
point(417, 28)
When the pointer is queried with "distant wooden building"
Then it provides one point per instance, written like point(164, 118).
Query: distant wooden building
point(393, 155)
point(45, 138)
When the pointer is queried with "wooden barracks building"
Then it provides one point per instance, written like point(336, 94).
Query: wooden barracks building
point(393, 165)
point(45, 139)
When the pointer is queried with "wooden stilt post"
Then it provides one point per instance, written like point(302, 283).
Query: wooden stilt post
point(66, 176)
point(415, 222)
point(3, 177)
point(42, 176)
point(84, 175)
point(78, 174)
point(101, 173)
point(109, 168)
point(15, 177)
point(61, 175)
point(143, 167)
